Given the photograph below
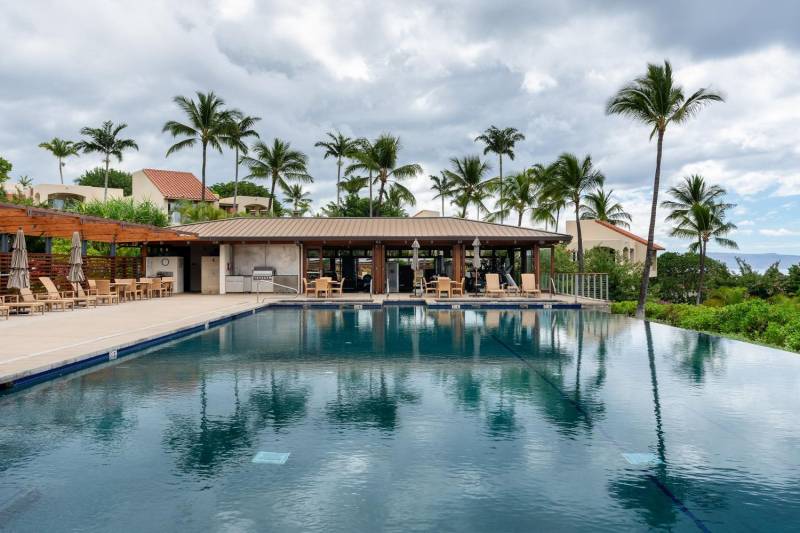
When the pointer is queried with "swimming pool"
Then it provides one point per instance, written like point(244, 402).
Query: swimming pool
point(412, 419)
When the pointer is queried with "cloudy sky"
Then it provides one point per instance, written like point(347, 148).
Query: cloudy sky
point(436, 73)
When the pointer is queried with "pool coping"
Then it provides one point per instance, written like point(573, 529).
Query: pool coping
point(14, 382)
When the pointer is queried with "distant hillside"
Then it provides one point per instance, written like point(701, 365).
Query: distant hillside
point(759, 262)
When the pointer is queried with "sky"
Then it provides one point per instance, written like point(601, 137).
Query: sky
point(435, 73)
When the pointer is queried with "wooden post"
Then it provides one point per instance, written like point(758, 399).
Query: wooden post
point(378, 268)
point(536, 266)
point(458, 262)
point(143, 254)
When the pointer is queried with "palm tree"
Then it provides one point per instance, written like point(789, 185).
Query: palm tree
point(399, 196)
point(207, 122)
point(601, 206)
point(279, 163)
point(469, 186)
point(549, 207)
point(364, 154)
point(103, 140)
point(574, 180)
point(60, 148)
point(703, 223)
point(657, 101)
point(693, 190)
point(520, 194)
point(237, 131)
point(500, 142)
point(339, 146)
point(442, 186)
point(380, 157)
point(352, 185)
point(299, 198)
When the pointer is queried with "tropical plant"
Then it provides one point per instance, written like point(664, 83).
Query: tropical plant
point(520, 195)
point(104, 140)
point(125, 209)
point(442, 186)
point(353, 185)
point(693, 190)
point(207, 122)
point(355, 206)
point(61, 149)
point(704, 223)
point(237, 131)
point(5, 169)
point(200, 212)
point(677, 279)
point(299, 198)
point(601, 206)
point(500, 142)
point(469, 183)
point(339, 147)
point(245, 188)
point(380, 158)
point(117, 179)
point(656, 100)
point(23, 183)
point(574, 180)
point(399, 196)
point(278, 163)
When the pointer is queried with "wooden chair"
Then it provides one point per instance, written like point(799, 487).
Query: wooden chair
point(529, 285)
point(11, 301)
point(169, 285)
point(430, 287)
point(5, 311)
point(444, 285)
point(92, 286)
point(50, 303)
point(493, 285)
point(309, 287)
point(54, 294)
point(104, 292)
point(323, 286)
point(91, 299)
point(457, 287)
point(156, 288)
point(337, 286)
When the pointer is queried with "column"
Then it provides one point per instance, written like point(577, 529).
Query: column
point(378, 271)
point(552, 267)
point(536, 266)
point(458, 262)
point(224, 258)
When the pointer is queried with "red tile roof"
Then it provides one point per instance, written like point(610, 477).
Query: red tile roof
point(628, 234)
point(175, 185)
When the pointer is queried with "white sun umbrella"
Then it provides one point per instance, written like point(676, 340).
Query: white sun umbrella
point(415, 255)
point(19, 278)
point(75, 274)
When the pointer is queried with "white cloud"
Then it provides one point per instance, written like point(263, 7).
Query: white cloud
point(778, 232)
point(536, 82)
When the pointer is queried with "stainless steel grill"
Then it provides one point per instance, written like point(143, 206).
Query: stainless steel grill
point(263, 273)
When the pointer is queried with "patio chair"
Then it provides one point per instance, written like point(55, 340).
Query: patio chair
point(323, 286)
point(309, 287)
point(493, 285)
point(444, 285)
point(54, 294)
point(337, 286)
point(11, 301)
point(104, 292)
point(80, 293)
point(50, 303)
point(5, 311)
point(169, 285)
point(156, 288)
point(134, 290)
point(429, 287)
point(458, 287)
point(529, 285)
point(92, 287)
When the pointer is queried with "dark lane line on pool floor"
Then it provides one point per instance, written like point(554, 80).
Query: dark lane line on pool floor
point(578, 407)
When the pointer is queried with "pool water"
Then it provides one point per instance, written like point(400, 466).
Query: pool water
point(409, 419)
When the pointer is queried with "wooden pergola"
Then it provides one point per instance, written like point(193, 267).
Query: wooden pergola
point(41, 222)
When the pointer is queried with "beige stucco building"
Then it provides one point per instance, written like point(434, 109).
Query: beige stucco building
point(59, 196)
point(625, 245)
point(252, 205)
point(168, 188)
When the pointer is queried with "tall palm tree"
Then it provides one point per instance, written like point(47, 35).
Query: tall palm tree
point(469, 183)
point(353, 184)
point(656, 100)
point(278, 163)
point(549, 207)
point(500, 142)
point(601, 206)
point(520, 194)
point(380, 157)
point(399, 196)
point(575, 179)
point(693, 190)
point(237, 130)
point(339, 147)
point(103, 140)
point(207, 122)
point(704, 223)
point(61, 149)
point(442, 186)
point(298, 197)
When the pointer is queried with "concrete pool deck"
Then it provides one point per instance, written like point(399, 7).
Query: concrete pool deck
point(33, 345)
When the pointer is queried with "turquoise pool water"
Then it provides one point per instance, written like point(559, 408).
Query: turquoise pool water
point(407, 419)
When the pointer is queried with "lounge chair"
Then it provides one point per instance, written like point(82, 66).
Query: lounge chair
point(50, 303)
point(444, 285)
point(54, 294)
point(5, 311)
point(337, 286)
point(493, 285)
point(457, 288)
point(104, 292)
point(12, 302)
point(80, 293)
point(529, 285)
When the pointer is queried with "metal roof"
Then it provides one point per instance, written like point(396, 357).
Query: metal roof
point(365, 229)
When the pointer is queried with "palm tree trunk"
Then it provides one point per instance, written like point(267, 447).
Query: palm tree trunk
point(203, 175)
point(338, 181)
point(370, 194)
point(580, 237)
point(105, 183)
point(701, 278)
point(648, 256)
point(380, 191)
point(236, 184)
point(519, 221)
point(60, 170)
point(502, 215)
point(442, 204)
point(272, 193)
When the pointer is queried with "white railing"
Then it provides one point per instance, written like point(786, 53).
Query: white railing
point(589, 285)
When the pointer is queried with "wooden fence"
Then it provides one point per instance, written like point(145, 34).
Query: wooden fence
point(56, 267)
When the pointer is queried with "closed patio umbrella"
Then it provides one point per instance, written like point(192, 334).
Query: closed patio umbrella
point(75, 274)
point(476, 260)
point(415, 255)
point(19, 278)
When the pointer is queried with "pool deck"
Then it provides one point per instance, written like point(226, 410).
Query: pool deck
point(37, 345)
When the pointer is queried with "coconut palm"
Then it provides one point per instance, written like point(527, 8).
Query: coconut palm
point(207, 122)
point(103, 140)
point(278, 163)
point(469, 183)
point(601, 206)
point(574, 180)
point(704, 223)
point(442, 186)
point(500, 142)
point(239, 129)
point(693, 190)
point(299, 198)
point(656, 100)
point(380, 158)
point(352, 185)
point(520, 194)
point(339, 147)
point(398, 196)
point(61, 149)
point(549, 207)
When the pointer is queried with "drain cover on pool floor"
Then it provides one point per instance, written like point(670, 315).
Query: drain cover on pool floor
point(642, 459)
point(271, 458)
